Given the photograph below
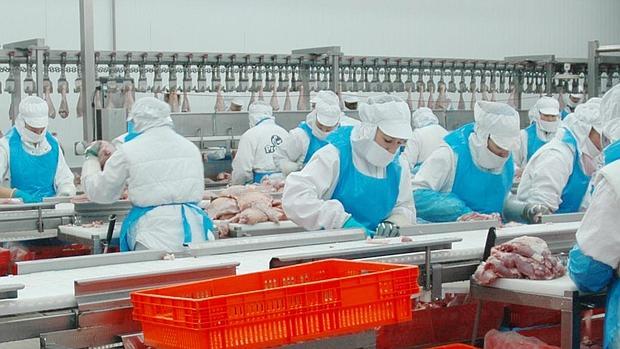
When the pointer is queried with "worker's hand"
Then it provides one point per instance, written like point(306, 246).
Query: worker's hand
point(26, 198)
point(534, 212)
point(106, 149)
point(288, 166)
point(92, 150)
point(351, 223)
point(387, 229)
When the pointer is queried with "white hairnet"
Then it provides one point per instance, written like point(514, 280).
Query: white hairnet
point(390, 114)
point(33, 110)
point(327, 97)
point(327, 114)
point(149, 112)
point(590, 114)
point(424, 117)
point(548, 106)
point(498, 121)
point(258, 111)
point(610, 113)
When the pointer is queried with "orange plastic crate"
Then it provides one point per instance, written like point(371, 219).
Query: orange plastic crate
point(278, 306)
point(455, 346)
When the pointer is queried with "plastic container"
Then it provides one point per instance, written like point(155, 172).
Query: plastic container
point(278, 306)
point(5, 261)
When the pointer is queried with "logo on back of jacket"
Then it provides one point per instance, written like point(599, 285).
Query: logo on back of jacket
point(275, 142)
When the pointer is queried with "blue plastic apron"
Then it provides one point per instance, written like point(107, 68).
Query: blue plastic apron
point(131, 133)
point(612, 152)
point(33, 174)
point(577, 184)
point(533, 142)
point(481, 190)
point(564, 113)
point(368, 199)
point(315, 143)
point(128, 240)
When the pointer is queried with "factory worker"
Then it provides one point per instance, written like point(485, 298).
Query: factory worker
point(163, 173)
point(572, 100)
point(254, 159)
point(235, 105)
point(473, 171)
point(31, 161)
point(610, 114)
point(546, 122)
point(351, 101)
point(427, 136)
point(360, 179)
point(557, 176)
point(593, 262)
point(307, 138)
point(329, 97)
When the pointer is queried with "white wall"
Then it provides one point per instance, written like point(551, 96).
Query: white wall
point(486, 29)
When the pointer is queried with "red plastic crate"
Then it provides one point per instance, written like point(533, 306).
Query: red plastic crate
point(455, 346)
point(5, 261)
point(526, 316)
point(278, 306)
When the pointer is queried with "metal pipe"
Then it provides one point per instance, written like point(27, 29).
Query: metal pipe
point(87, 56)
point(592, 78)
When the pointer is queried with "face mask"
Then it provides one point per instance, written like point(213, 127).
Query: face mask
point(590, 149)
point(31, 137)
point(549, 126)
point(489, 160)
point(376, 155)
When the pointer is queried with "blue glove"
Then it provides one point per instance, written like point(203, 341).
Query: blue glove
point(387, 229)
point(26, 198)
point(352, 223)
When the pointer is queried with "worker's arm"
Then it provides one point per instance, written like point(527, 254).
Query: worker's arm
point(290, 154)
point(306, 198)
point(64, 180)
point(105, 186)
point(412, 151)
point(545, 177)
point(520, 155)
point(597, 253)
point(242, 163)
point(403, 213)
point(437, 172)
point(4, 165)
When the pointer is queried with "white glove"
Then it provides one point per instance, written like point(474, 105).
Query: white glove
point(288, 166)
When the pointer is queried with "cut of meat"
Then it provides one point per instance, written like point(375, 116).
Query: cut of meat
point(221, 207)
point(524, 257)
point(495, 339)
point(253, 198)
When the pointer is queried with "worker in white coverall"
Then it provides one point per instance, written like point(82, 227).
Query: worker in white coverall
point(546, 123)
point(254, 159)
point(32, 164)
point(557, 176)
point(473, 171)
point(572, 100)
point(329, 97)
point(163, 172)
point(360, 179)
point(594, 261)
point(307, 138)
point(427, 136)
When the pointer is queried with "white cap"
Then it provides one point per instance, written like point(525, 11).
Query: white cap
point(237, 101)
point(578, 96)
point(610, 113)
point(258, 111)
point(351, 98)
point(327, 97)
point(390, 114)
point(424, 117)
point(548, 106)
point(498, 120)
point(149, 112)
point(327, 114)
point(590, 114)
point(33, 110)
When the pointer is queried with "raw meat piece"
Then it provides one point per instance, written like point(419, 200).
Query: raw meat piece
point(251, 216)
point(442, 100)
point(561, 99)
point(222, 206)
point(78, 199)
point(421, 100)
point(106, 149)
point(222, 176)
point(475, 216)
point(128, 102)
point(274, 100)
point(78, 108)
point(461, 105)
point(223, 228)
point(209, 195)
point(233, 190)
point(253, 198)
point(261, 96)
point(301, 102)
point(287, 101)
point(185, 107)
point(431, 103)
point(11, 201)
point(521, 258)
point(512, 340)
point(409, 99)
point(51, 111)
point(219, 100)
point(63, 109)
point(173, 100)
point(512, 98)
point(472, 103)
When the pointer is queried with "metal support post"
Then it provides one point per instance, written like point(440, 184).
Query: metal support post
point(87, 56)
point(593, 72)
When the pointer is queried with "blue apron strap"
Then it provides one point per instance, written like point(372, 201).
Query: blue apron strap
point(126, 241)
point(207, 224)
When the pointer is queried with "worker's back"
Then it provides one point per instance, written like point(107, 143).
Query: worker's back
point(163, 168)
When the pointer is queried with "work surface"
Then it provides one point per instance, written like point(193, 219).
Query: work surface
point(54, 289)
